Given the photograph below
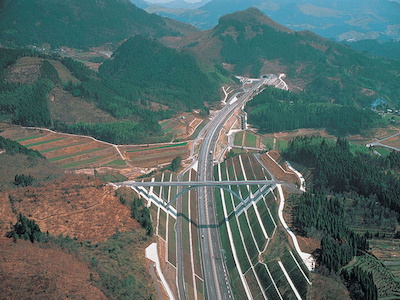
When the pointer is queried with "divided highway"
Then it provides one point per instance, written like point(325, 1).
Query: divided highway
point(216, 279)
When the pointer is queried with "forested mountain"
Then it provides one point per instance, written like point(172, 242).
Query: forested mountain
point(78, 23)
point(144, 82)
point(250, 43)
point(159, 73)
point(339, 19)
point(388, 49)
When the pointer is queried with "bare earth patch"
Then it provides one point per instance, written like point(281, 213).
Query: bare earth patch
point(30, 272)
point(68, 109)
point(79, 207)
point(277, 170)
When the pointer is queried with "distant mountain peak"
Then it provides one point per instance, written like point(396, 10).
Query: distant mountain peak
point(253, 16)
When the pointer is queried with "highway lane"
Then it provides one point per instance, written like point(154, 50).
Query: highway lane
point(214, 269)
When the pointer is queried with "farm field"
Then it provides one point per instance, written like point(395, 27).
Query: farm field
point(183, 126)
point(67, 151)
point(388, 285)
point(155, 155)
point(247, 139)
point(382, 151)
point(393, 142)
point(76, 152)
point(388, 252)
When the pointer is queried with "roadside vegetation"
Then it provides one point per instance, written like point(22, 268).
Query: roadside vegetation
point(353, 198)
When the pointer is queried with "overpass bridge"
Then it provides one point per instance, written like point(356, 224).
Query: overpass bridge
point(132, 183)
point(190, 185)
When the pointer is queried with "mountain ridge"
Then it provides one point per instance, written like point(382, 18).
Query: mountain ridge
point(80, 24)
point(336, 19)
point(248, 43)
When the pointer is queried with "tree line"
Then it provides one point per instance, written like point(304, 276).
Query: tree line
point(276, 110)
point(348, 190)
point(360, 284)
point(319, 213)
point(336, 169)
point(12, 148)
point(139, 212)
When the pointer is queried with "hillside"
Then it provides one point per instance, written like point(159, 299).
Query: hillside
point(144, 82)
point(250, 43)
point(31, 272)
point(77, 23)
point(159, 72)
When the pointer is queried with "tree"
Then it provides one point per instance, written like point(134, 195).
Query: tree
point(23, 180)
point(176, 164)
point(26, 229)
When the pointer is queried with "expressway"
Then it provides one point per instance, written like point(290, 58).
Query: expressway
point(216, 279)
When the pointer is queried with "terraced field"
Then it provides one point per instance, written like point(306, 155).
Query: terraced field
point(388, 284)
point(67, 151)
point(155, 155)
point(181, 127)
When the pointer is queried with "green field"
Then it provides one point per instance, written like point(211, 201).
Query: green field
point(268, 142)
point(113, 178)
point(266, 282)
point(171, 241)
point(82, 162)
point(280, 280)
point(43, 142)
point(240, 250)
point(218, 205)
point(252, 283)
point(266, 218)
point(153, 213)
point(248, 239)
point(229, 259)
point(159, 147)
point(281, 145)
point(256, 228)
point(162, 225)
point(295, 274)
point(117, 162)
point(238, 138)
point(250, 140)
point(382, 151)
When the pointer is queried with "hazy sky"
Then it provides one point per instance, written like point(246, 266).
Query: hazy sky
point(164, 1)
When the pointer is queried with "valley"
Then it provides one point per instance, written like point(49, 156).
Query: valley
point(154, 160)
